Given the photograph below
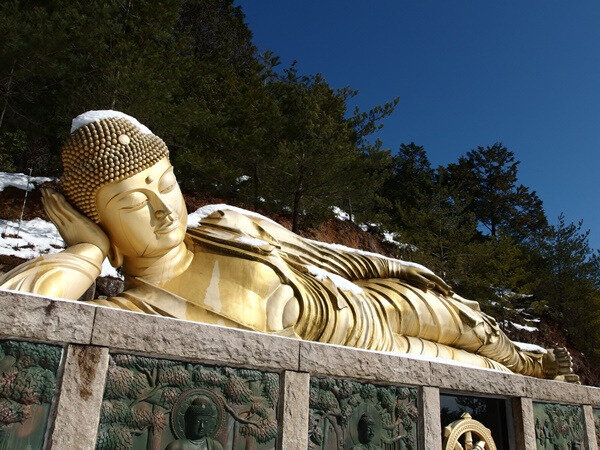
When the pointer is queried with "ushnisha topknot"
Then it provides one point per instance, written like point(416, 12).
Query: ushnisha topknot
point(105, 147)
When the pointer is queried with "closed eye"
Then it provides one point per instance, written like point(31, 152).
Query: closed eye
point(169, 188)
point(136, 206)
point(167, 181)
point(133, 201)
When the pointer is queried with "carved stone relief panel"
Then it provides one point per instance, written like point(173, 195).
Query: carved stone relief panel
point(28, 382)
point(558, 426)
point(347, 414)
point(152, 403)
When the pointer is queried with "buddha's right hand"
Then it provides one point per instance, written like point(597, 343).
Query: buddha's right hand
point(73, 226)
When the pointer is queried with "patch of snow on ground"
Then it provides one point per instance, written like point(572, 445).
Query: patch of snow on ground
point(340, 214)
point(524, 327)
point(241, 179)
point(530, 347)
point(37, 237)
point(338, 281)
point(388, 236)
point(19, 180)
point(109, 271)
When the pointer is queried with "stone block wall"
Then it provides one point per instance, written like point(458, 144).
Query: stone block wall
point(74, 375)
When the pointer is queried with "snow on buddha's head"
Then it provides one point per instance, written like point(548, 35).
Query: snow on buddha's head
point(96, 116)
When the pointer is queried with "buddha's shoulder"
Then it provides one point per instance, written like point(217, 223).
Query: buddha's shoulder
point(235, 218)
point(240, 226)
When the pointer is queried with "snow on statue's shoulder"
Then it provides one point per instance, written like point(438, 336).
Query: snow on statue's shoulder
point(195, 218)
point(95, 116)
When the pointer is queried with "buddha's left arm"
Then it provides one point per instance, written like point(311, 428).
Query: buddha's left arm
point(67, 274)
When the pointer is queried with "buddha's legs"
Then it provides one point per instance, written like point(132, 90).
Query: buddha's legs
point(433, 325)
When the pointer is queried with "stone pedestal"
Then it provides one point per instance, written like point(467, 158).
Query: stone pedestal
point(296, 393)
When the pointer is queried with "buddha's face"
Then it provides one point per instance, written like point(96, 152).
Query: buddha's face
point(366, 429)
point(200, 419)
point(144, 215)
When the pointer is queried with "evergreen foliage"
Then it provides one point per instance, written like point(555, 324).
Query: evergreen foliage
point(569, 283)
point(487, 178)
point(236, 127)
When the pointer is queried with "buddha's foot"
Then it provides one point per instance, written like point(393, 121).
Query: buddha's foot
point(558, 365)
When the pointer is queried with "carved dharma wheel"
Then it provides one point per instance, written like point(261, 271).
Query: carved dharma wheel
point(473, 435)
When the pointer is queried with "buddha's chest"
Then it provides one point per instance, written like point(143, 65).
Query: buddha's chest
point(229, 286)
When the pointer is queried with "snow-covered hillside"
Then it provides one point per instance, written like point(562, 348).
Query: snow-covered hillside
point(32, 238)
point(21, 181)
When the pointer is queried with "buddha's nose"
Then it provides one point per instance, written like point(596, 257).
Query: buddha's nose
point(161, 209)
point(160, 214)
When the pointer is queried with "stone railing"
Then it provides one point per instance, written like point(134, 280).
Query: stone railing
point(91, 336)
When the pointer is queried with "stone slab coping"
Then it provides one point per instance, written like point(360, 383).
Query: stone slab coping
point(51, 320)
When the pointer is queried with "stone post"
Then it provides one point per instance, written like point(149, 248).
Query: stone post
point(524, 423)
point(295, 410)
point(80, 398)
point(430, 424)
point(590, 428)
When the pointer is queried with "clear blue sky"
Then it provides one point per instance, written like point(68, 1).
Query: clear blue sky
point(468, 73)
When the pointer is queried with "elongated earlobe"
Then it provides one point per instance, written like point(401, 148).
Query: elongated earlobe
point(115, 256)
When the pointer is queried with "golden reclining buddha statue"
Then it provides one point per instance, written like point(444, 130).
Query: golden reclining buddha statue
point(120, 199)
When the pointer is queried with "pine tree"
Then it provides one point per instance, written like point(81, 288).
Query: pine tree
point(487, 180)
point(412, 179)
point(569, 283)
point(442, 229)
point(320, 161)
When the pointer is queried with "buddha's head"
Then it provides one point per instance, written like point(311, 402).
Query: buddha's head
point(118, 174)
point(201, 418)
point(366, 429)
